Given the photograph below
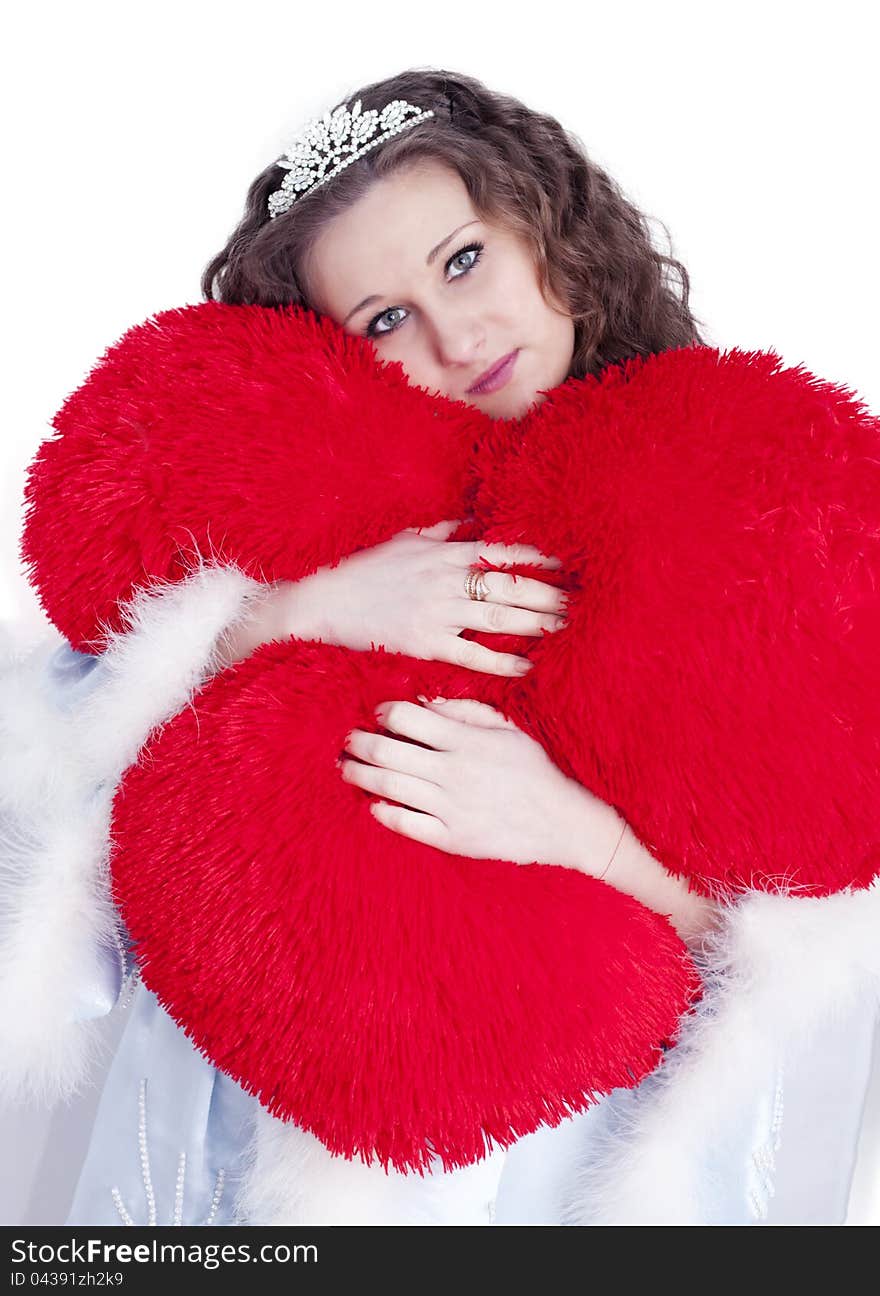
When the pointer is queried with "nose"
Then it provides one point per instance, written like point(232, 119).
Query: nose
point(459, 341)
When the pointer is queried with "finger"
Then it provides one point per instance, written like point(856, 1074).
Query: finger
point(515, 590)
point(413, 721)
point(519, 591)
point(498, 618)
point(439, 531)
point(393, 785)
point(420, 827)
point(392, 754)
point(469, 552)
point(477, 657)
point(470, 711)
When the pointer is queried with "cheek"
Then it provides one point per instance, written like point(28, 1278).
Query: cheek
point(412, 357)
point(553, 329)
point(560, 348)
point(524, 304)
point(562, 328)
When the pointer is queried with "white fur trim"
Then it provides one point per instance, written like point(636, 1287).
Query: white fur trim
point(291, 1179)
point(777, 970)
point(58, 773)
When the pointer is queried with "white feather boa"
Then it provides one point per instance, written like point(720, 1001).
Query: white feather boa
point(60, 767)
point(777, 969)
point(778, 974)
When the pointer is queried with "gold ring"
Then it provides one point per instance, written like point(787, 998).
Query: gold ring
point(475, 584)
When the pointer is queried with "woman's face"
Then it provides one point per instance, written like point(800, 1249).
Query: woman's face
point(396, 267)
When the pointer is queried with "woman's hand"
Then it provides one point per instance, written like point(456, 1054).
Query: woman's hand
point(479, 786)
point(409, 595)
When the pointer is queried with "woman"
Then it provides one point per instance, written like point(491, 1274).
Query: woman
point(478, 234)
point(405, 228)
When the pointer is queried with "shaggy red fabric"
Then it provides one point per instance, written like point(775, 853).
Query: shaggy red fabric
point(718, 518)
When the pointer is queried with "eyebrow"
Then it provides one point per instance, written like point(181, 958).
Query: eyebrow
point(368, 301)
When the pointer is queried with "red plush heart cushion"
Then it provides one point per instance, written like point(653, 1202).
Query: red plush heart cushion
point(391, 998)
point(718, 524)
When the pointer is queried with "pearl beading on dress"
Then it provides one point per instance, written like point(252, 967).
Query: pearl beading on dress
point(146, 1175)
point(120, 1206)
point(144, 1153)
point(130, 977)
point(178, 1189)
point(328, 144)
point(218, 1193)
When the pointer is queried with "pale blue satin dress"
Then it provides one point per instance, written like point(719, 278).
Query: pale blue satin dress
point(171, 1129)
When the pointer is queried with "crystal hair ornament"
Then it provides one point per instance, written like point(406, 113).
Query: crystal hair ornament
point(326, 145)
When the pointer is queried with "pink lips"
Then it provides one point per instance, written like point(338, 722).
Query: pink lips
point(495, 377)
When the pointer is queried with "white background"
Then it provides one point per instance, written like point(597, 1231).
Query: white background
point(133, 130)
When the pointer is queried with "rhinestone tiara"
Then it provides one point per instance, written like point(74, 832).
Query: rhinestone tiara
point(325, 145)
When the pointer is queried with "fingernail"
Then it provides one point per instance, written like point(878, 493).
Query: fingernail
point(441, 700)
point(523, 667)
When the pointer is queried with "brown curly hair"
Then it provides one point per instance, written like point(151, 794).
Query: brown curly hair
point(591, 247)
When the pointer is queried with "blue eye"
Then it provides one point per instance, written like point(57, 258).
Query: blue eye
point(476, 248)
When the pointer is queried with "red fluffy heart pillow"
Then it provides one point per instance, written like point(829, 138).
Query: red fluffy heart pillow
point(717, 518)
